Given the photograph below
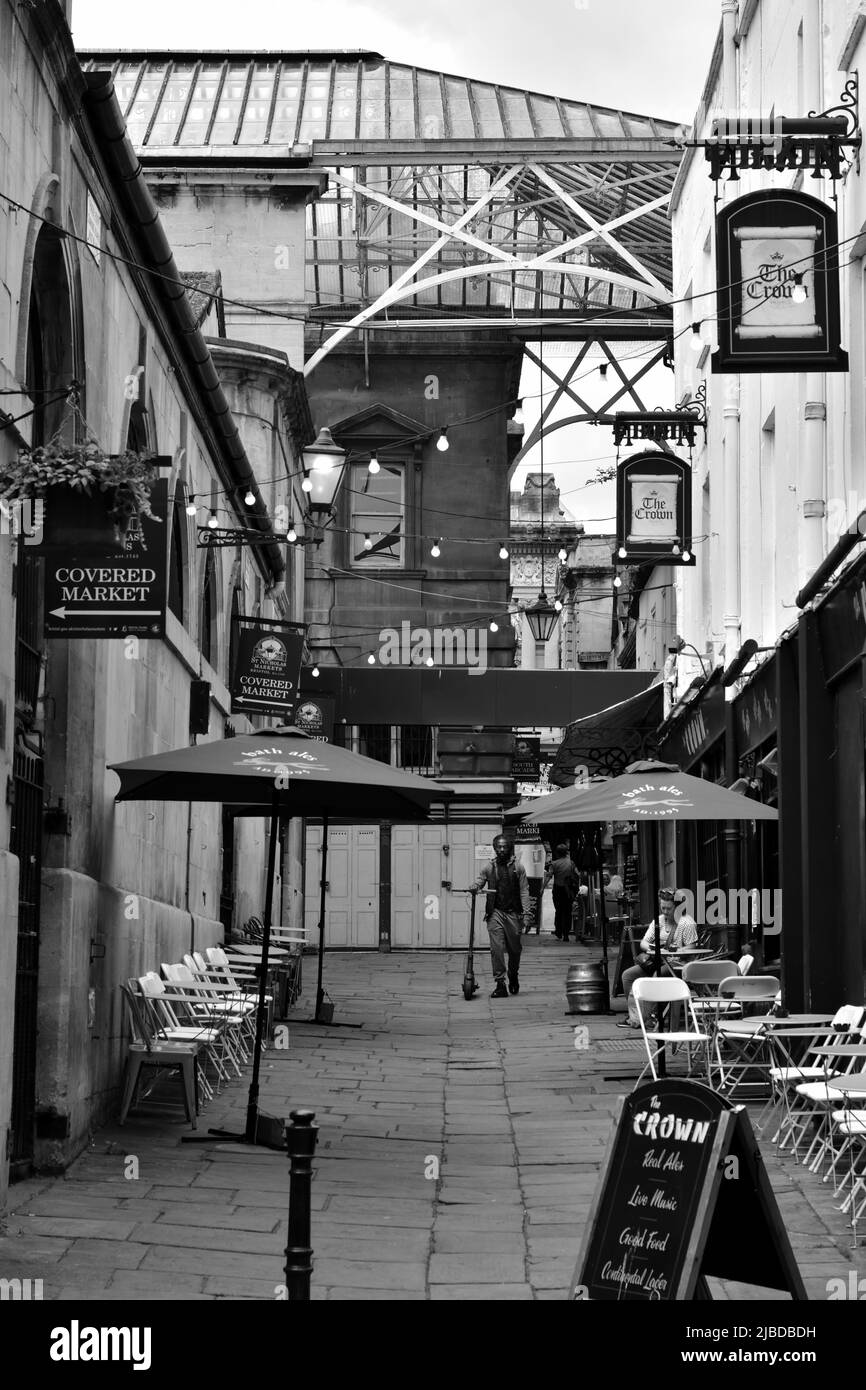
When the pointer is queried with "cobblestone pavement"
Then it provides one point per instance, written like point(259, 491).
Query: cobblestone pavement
point(494, 1091)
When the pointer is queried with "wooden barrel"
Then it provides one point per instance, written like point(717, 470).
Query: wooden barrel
point(584, 989)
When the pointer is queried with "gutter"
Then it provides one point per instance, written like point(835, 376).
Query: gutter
point(124, 165)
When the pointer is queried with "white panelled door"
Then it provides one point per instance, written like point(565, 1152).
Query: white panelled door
point(423, 858)
point(352, 900)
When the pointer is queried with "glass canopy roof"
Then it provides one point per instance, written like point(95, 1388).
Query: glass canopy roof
point(410, 152)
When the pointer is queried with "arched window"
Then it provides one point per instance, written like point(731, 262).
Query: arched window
point(233, 629)
point(208, 639)
point(177, 555)
point(50, 338)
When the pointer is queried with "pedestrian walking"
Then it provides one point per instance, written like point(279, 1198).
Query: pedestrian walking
point(563, 874)
point(508, 906)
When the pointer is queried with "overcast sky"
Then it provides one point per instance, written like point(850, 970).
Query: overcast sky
point(646, 56)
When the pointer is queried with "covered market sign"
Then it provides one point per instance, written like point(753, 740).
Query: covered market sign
point(777, 276)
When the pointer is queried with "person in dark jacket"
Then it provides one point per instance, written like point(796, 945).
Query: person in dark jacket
point(508, 905)
point(565, 885)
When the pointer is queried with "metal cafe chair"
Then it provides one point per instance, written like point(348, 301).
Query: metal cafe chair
point(812, 1066)
point(750, 1056)
point(659, 992)
point(148, 1049)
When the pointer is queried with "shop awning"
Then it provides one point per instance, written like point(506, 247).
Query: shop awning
point(606, 742)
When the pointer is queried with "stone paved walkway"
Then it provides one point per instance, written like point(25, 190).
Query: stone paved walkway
point(494, 1091)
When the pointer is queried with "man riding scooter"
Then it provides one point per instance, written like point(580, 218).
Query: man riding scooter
point(508, 904)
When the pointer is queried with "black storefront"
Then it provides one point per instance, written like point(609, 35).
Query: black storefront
point(694, 739)
point(754, 732)
point(821, 688)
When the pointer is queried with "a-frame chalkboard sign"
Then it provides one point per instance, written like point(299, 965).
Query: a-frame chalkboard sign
point(684, 1196)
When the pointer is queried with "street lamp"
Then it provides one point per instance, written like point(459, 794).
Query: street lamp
point(325, 463)
point(542, 618)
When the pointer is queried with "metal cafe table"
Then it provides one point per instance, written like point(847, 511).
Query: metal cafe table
point(762, 1038)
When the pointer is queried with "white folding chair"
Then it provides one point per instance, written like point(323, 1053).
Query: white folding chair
point(813, 1066)
point(658, 993)
point(211, 1003)
point(750, 1056)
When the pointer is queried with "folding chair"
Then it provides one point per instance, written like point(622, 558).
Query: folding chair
point(813, 1065)
point(745, 1038)
point(820, 1098)
point(148, 1049)
point(851, 1124)
point(208, 1003)
point(658, 992)
point(159, 1004)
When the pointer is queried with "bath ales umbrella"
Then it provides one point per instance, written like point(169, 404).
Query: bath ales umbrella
point(281, 771)
point(646, 791)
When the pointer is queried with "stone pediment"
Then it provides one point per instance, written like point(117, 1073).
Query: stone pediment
point(378, 425)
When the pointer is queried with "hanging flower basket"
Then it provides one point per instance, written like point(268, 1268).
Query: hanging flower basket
point(89, 495)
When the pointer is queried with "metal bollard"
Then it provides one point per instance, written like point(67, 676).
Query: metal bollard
point(301, 1143)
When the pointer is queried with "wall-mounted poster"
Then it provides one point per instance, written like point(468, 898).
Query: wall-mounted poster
point(777, 276)
point(526, 758)
point(654, 509)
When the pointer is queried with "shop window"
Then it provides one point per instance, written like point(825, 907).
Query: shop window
point(415, 747)
point(50, 362)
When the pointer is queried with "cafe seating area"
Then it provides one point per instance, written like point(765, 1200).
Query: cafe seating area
point(196, 1019)
point(807, 1071)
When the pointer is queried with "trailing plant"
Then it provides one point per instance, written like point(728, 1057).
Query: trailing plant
point(128, 477)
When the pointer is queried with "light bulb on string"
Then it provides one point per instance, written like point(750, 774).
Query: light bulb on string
point(602, 370)
point(494, 626)
point(307, 484)
point(622, 552)
point(442, 442)
point(503, 551)
point(373, 466)
point(429, 661)
point(798, 293)
point(292, 534)
point(212, 521)
point(557, 603)
point(368, 544)
point(687, 555)
point(250, 498)
point(191, 508)
point(563, 554)
point(675, 550)
point(617, 582)
point(315, 672)
point(696, 342)
point(435, 551)
point(371, 660)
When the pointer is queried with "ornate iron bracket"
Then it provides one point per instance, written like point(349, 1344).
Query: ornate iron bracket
point(817, 141)
point(660, 426)
point(226, 537)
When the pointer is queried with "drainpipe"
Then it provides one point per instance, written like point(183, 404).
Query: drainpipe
point(732, 618)
point(812, 481)
point(729, 57)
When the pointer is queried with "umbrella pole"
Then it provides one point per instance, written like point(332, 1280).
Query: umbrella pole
point(603, 920)
point(654, 841)
point(261, 1013)
point(320, 993)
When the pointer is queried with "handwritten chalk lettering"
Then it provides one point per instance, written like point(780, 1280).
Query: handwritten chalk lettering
point(670, 1127)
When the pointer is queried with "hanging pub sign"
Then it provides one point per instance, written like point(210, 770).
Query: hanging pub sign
point(654, 510)
point(267, 667)
point(315, 716)
point(97, 589)
point(777, 276)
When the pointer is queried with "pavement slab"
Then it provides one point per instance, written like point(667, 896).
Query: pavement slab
point(458, 1155)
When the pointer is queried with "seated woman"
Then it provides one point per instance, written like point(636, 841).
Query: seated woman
point(673, 934)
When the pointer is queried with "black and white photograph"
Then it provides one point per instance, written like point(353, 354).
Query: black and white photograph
point(432, 520)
